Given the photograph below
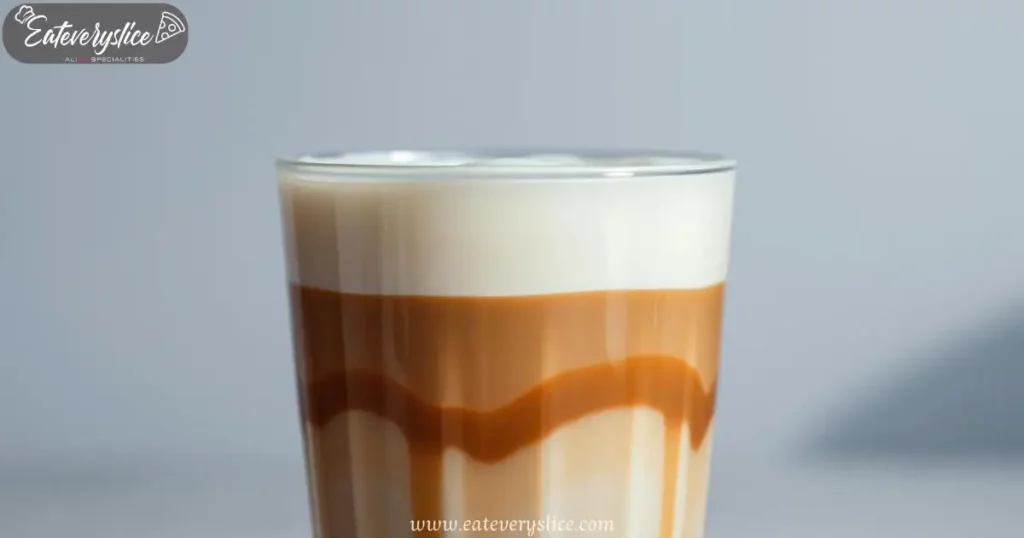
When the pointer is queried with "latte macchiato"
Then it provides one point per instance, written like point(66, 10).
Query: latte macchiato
point(507, 347)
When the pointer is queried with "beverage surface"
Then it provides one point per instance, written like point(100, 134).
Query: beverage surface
point(507, 164)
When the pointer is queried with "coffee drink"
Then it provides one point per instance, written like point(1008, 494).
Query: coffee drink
point(507, 347)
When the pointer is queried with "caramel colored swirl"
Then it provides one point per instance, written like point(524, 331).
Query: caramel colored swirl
point(666, 384)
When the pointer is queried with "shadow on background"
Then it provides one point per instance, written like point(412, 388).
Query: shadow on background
point(966, 403)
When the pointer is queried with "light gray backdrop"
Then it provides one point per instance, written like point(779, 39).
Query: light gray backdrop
point(876, 301)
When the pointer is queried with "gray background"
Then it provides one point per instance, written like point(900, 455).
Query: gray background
point(873, 377)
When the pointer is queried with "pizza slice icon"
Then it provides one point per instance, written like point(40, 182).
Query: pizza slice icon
point(170, 26)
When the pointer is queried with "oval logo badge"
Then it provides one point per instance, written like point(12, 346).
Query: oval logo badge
point(95, 34)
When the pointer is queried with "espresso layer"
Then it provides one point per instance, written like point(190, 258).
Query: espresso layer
point(482, 353)
point(493, 377)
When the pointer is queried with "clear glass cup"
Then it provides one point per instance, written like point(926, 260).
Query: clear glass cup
point(507, 343)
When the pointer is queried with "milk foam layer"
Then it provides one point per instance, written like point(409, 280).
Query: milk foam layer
point(506, 238)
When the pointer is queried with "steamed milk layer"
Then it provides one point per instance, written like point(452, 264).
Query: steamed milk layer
point(495, 238)
point(467, 295)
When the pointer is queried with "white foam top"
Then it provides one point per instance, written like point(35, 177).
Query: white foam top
point(499, 238)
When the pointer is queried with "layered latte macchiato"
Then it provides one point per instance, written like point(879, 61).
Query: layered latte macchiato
point(512, 340)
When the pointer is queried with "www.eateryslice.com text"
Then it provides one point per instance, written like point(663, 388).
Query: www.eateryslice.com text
point(529, 527)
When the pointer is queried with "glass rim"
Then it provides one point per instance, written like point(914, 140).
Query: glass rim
point(521, 164)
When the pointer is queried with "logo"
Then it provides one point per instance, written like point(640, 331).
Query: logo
point(95, 34)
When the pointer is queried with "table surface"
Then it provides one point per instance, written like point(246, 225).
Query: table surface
point(763, 501)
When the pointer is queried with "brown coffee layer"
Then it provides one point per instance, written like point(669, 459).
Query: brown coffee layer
point(483, 352)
